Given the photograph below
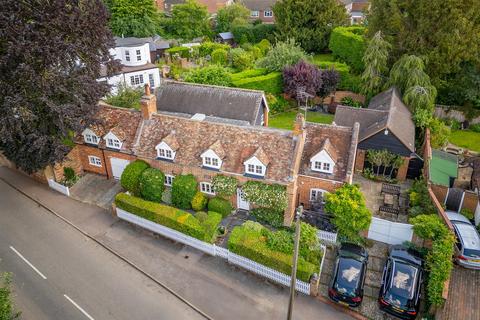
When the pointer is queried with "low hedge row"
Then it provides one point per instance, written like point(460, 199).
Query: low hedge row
point(250, 73)
point(220, 205)
point(183, 52)
point(251, 243)
point(170, 217)
point(270, 83)
point(348, 81)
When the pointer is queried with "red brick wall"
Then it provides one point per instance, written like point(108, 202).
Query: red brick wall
point(440, 192)
point(360, 160)
point(402, 171)
point(306, 183)
point(470, 201)
point(85, 151)
point(261, 17)
point(112, 154)
point(72, 160)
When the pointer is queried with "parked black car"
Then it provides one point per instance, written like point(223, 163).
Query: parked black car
point(401, 283)
point(346, 286)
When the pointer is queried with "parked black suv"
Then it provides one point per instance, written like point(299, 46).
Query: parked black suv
point(346, 286)
point(401, 282)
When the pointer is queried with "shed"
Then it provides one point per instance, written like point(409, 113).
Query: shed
point(443, 168)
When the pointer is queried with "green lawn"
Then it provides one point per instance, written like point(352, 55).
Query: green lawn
point(466, 139)
point(322, 57)
point(285, 120)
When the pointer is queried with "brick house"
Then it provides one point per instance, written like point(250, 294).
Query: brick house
point(386, 124)
point(356, 9)
point(260, 10)
point(212, 5)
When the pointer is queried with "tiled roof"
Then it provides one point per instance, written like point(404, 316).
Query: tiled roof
point(171, 140)
point(123, 123)
point(218, 149)
point(238, 142)
point(262, 156)
point(258, 4)
point(339, 139)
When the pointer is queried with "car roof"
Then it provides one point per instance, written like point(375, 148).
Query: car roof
point(406, 254)
point(351, 248)
point(469, 235)
point(453, 216)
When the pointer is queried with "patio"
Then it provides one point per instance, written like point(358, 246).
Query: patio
point(385, 201)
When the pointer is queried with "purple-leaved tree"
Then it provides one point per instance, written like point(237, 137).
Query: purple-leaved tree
point(301, 75)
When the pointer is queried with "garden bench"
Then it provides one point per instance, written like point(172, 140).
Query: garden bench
point(390, 189)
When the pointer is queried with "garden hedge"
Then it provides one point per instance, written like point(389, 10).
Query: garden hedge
point(131, 175)
point(152, 184)
point(199, 201)
point(250, 73)
point(251, 243)
point(348, 44)
point(348, 81)
point(208, 47)
point(220, 205)
point(183, 52)
point(171, 217)
point(270, 83)
point(269, 216)
point(184, 188)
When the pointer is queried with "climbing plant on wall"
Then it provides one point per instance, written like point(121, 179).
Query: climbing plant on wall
point(272, 196)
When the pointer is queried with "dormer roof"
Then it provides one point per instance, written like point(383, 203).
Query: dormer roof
point(171, 141)
point(328, 147)
point(218, 149)
point(261, 156)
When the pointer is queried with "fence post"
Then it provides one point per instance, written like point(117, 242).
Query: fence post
point(314, 283)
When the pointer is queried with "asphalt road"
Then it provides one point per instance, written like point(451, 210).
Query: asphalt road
point(60, 274)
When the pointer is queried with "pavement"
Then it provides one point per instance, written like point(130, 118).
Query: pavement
point(129, 281)
point(95, 189)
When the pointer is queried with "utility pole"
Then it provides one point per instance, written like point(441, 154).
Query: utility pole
point(298, 215)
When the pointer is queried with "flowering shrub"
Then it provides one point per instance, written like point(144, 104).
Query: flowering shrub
point(224, 186)
point(273, 196)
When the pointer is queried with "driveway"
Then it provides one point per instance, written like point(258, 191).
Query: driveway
point(96, 189)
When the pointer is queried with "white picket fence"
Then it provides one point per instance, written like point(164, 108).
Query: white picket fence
point(329, 237)
point(58, 187)
point(214, 250)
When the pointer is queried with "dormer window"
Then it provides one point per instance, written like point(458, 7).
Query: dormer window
point(324, 161)
point(257, 164)
point(112, 141)
point(210, 159)
point(164, 151)
point(90, 137)
point(255, 169)
point(210, 162)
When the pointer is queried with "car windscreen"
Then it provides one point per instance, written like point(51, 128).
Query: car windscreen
point(348, 276)
point(402, 284)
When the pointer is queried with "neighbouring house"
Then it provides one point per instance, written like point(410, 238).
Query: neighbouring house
point(212, 5)
point(386, 124)
point(260, 10)
point(137, 68)
point(225, 37)
point(215, 103)
point(356, 10)
point(158, 45)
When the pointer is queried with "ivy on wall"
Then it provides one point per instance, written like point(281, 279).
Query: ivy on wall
point(224, 186)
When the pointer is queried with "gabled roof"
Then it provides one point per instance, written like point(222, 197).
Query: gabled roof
point(443, 166)
point(385, 111)
point(261, 156)
point(218, 149)
point(339, 143)
point(171, 141)
point(222, 102)
point(258, 4)
point(239, 144)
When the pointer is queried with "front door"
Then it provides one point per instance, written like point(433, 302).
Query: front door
point(118, 165)
point(241, 202)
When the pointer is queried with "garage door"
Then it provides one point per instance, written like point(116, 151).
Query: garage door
point(118, 165)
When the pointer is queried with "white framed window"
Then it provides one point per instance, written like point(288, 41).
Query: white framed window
point(210, 162)
point(139, 55)
point(268, 13)
point(326, 166)
point(255, 169)
point(136, 80)
point(207, 187)
point(91, 138)
point(317, 194)
point(113, 143)
point(127, 55)
point(151, 80)
point(254, 13)
point(169, 180)
point(94, 161)
point(165, 153)
point(318, 165)
point(322, 162)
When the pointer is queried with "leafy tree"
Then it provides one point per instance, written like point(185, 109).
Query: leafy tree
point(407, 72)
point(309, 22)
point(350, 214)
point(213, 74)
point(375, 60)
point(6, 306)
point(300, 75)
point(439, 133)
point(283, 54)
point(241, 59)
point(234, 14)
point(126, 97)
point(189, 20)
point(461, 88)
point(50, 58)
point(138, 18)
point(330, 79)
point(220, 56)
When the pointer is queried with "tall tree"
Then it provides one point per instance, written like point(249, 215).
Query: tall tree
point(232, 15)
point(189, 20)
point(375, 60)
point(139, 18)
point(309, 22)
point(51, 53)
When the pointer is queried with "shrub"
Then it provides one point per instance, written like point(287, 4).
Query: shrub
point(201, 216)
point(265, 46)
point(69, 173)
point(253, 33)
point(241, 59)
point(474, 127)
point(330, 79)
point(301, 74)
point(283, 54)
point(199, 201)
point(348, 44)
point(348, 81)
point(249, 241)
point(208, 47)
point(213, 74)
point(125, 97)
point(210, 225)
point(271, 83)
point(281, 240)
point(428, 226)
point(272, 196)
point(309, 243)
point(220, 205)
point(152, 184)
point(250, 73)
point(348, 101)
point(184, 188)
point(183, 52)
point(420, 202)
point(224, 186)
point(220, 56)
point(268, 216)
point(277, 104)
point(131, 175)
point(469, 214)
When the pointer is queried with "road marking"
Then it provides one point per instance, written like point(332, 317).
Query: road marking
point(78, 307)
point(28, 262)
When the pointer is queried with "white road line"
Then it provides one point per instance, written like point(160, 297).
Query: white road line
point(78, 307)
point(28, 262)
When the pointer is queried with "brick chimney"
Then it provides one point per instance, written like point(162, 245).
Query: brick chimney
point(149, 104)
point(299, 124)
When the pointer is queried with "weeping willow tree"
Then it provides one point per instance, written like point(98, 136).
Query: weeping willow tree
point(375, 60)
point(407, 72)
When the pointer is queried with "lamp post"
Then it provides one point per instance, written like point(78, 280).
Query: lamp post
point(298, 215)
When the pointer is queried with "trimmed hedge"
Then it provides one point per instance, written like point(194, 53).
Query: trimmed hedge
point(268, 216)
point(348, 81)
point(199, 201)
point(171, 217)
point(348, 44)
point(271, 83)
point(220, 205)
point(131, 175)
point(183, 52)
point(250, 243)
point(184, 188)
point(152, 184)
point(250, 73)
